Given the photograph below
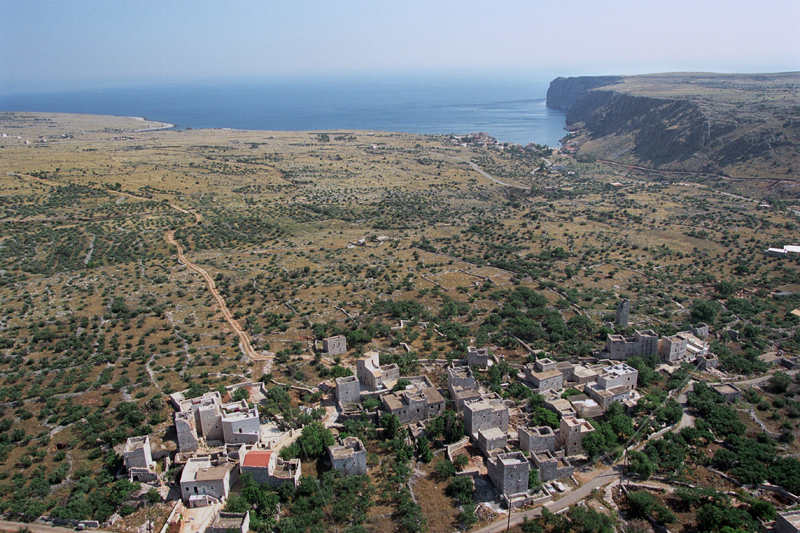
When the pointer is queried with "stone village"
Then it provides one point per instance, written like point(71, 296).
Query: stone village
point(217, 442)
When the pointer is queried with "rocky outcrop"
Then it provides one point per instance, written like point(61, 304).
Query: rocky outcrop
point(684, 122)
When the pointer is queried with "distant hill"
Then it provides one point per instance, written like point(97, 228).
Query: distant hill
point(735, 124)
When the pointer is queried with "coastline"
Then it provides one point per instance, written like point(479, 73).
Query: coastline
point(157, 126)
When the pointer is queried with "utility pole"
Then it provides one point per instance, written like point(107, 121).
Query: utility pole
point(508, 526)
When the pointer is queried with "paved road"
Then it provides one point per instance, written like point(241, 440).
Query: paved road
point(483, 173)
point(609, 475)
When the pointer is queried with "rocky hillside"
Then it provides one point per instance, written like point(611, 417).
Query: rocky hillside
point(740, 125)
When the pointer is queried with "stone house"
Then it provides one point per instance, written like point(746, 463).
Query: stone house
point(491, 439)
point(226, 522)
point(642, 343)
point(373, 376)
point(202, 480)
point(462, 386)
point(571, 433)
point(729, 391)
point(576, 374)
point(414, 404)
point(334, 345)
point(707, 361)
point(551, 465)
point(137, 453)
point(536, 439)
point(543, 375)
point(509, 473)
point(486, 413)
point(349, 457)
point(683, 346)
point(559, 405)
point(348, 391)
point(672, 349)
point(139, 459)
point(614, 384)
point(216, 423)
point(478, 357)
point(268, 469)
point(788, 522)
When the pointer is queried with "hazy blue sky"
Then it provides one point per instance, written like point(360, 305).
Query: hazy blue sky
point(69, 44)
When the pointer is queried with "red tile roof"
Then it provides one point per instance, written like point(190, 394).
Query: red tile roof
point(257, 458)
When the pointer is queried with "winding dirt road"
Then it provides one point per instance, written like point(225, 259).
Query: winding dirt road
point(244, 340)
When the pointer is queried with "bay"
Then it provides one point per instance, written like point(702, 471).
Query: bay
point(509, 108)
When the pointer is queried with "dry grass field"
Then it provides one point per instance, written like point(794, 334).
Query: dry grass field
point(306, 235)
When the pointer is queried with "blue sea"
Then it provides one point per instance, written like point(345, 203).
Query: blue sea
point(509, 108)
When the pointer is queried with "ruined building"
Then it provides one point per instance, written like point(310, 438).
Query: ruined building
point(623, 310)
point(478, 357)
point(139, 460)
point(621, 348)
point(334, 345)
point(419, 401)
point(349, 457)
point(536, 439)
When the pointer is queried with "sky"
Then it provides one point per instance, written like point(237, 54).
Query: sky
point(65, 44)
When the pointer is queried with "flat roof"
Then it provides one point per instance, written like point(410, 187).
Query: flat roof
point(492, 433)
point(212, 474)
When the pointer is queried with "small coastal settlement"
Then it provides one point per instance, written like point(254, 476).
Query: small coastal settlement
point(215, 331)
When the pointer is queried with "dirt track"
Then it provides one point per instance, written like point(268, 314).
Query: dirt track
point(244, 340)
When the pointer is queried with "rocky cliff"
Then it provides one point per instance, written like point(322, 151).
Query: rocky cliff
point(741, 124)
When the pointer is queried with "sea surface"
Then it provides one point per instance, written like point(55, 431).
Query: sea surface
point(510, 108)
